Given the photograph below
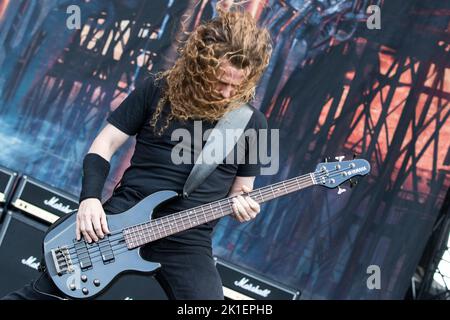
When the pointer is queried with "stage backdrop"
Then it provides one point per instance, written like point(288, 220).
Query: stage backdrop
point(334, 87)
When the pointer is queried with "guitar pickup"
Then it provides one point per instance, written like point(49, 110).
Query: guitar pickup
point(106, 251)
point(83, 255)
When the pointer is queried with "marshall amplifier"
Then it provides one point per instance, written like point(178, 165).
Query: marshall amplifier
point(240, 284)
point(42, 201)
point(7, 181)
point(34, 207)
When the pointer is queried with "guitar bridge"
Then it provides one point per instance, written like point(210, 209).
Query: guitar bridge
point(62, 260)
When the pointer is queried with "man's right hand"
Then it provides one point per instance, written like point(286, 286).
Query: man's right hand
point(91, 220)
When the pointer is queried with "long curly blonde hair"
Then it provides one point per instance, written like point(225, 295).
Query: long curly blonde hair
point(232, 36)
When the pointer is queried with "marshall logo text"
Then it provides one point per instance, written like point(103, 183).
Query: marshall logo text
point(31, 262)
point(55, 204)
point(244, 284)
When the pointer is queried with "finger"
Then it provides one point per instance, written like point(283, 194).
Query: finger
point(104, 223)
point(244, 204)
point(253, 204)
point(97, 226)
point(237, 216)
point(235, 210)
point(246, 188)
point(83, 231)
point(89, 229)
point(242, 210)
point(248, 209)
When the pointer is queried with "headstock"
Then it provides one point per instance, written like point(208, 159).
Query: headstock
point(333, 174)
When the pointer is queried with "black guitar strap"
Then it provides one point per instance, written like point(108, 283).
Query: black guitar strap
point(235, 120)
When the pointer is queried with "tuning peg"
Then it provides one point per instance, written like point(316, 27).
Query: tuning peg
point(354, 156)
point(340, 158)
point(353, 182)
point(326, 159)
point(341, 190)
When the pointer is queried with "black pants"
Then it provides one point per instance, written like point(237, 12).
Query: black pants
point(185, 274)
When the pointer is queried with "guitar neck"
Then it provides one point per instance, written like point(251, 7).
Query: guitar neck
point(141, 234)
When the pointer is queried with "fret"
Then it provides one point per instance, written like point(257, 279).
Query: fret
point(180, 223)
point(260, 194)
point(312, 178)
point(216, 210)
point(150, 232)
point(298, 183)
point(221, 210)
point(196, 218)
point(154, 236)
point(133, 235)
point(169, 224)
point(160, 234)
point(284, 185)
point(189, 216)
point(230, 204)
point(130, 234)
point(273, 194)
point(212, 210)
point(136, 235)
point(166, 225)
point(278, 192)
point(142, 235)
point(174, 222)
point(203, 212)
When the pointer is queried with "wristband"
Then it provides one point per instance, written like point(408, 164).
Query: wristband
point(95, 172)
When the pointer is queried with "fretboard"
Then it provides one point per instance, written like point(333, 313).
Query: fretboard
point(138, 235)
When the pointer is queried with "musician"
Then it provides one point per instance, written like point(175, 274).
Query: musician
point(217, 71)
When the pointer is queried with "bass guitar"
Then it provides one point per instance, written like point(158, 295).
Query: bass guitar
point(83, 270)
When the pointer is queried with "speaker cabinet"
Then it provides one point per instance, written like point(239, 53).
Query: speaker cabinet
point(241, 284)
point(20, 251)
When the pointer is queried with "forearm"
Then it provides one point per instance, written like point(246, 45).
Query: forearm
point(102, 148)
point(107, 142)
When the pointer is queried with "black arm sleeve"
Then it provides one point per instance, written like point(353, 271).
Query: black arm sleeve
point(95, 172)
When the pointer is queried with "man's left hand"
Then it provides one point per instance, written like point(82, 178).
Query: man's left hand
point(244, 207)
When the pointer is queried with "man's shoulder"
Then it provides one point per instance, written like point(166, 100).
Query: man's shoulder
point(259, 118)
point(152, 83)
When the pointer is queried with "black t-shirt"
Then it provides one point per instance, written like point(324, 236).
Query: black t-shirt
point(152, 169)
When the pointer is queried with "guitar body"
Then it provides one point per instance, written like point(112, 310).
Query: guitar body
point(83, 270)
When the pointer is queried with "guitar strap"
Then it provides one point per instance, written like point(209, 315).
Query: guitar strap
point(235, 120)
